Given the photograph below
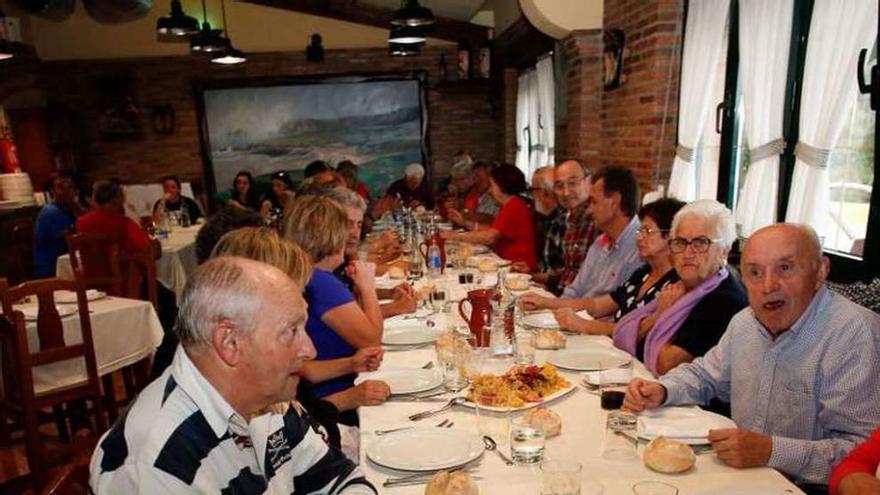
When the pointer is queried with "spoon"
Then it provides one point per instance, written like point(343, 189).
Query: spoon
point(490, 444)
point(424, 414)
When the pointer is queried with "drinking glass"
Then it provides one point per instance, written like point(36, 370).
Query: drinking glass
point(527, 441)
point(493, 410)
point(363, 251)
point(438, 298)
point(561, 478)
point(525, 347)
point(651, 487)
point(620, 437)
point(453, 362)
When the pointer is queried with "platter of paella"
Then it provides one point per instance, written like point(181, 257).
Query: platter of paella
point(521, 387)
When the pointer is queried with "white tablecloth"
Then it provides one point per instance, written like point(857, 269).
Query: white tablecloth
point(581, 440)
point(177, 262)
point(124, 331)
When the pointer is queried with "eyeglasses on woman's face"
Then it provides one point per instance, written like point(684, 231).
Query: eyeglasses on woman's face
point(699, 244)
point(646, 231)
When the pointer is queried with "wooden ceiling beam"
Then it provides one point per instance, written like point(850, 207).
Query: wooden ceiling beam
point(351, 11)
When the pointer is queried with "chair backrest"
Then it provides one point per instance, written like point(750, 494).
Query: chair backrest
point(140, 270)
point(50, 329)
point(99, 260)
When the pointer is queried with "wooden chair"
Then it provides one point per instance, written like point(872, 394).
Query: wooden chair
point(73, 478)
point(107, 268)
point(19, 360)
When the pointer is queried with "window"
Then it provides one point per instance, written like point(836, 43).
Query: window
point(838, 199)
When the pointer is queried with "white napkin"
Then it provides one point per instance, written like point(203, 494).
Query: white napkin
point(614, 375)
point(672, 426)
point(31, 312)
point(68, 296)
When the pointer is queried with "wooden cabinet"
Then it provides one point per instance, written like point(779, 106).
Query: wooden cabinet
point(16, 243)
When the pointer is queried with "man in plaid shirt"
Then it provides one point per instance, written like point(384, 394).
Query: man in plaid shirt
point(572, 187)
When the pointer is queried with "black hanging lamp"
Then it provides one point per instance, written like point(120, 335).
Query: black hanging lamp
point(231, 55)
point(177, 23)
point(208, 40)
point(411, 13)
point(404, 49)
point(406, 34)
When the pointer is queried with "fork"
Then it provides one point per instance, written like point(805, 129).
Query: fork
point(446, 423)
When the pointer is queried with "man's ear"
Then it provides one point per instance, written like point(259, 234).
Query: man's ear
point(824, 268)
point(226, 339)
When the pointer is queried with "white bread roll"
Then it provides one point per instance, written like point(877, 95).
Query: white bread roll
point(549, 420)
point(457, 483)
point(549, 339)
point(396, 272)
point(669, 456)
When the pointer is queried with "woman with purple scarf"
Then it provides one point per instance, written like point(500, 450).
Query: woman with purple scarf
point(688, 317)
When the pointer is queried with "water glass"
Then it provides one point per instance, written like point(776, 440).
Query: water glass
point(651, 487)
point(561, 478)
point(438, 298)
point(527, 441)
point(493, 418)
point(363, 251)
point(525, 348)
point(620, 437)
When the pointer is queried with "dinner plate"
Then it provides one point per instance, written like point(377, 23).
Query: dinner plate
point(69, 296)
point(30, 312)
point(528, 405)
point(426, 449)
point(545, 319)
point(595, 359)
point(685, 424)
point(405, 381)
point(411, 335)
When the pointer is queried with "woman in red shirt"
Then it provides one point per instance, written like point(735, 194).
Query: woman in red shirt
point(859, 472)
point(512, 234)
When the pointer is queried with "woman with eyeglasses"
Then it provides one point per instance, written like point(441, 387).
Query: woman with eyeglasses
point(652, 240)
point(688, 317)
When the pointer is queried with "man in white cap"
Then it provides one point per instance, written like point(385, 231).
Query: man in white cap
point(412, 190)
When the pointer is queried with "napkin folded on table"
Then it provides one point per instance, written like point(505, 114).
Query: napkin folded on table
point(614, 375)
point(676, 427)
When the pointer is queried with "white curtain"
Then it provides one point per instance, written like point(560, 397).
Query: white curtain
point(522, 124)
point(704, 40)
point(709, 150)
point(838, 30)
point(764, 38)
point(547, 111)
point(536, 144)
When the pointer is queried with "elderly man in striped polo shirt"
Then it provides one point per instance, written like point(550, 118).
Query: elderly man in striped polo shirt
point(201, 427)
point(799, 366)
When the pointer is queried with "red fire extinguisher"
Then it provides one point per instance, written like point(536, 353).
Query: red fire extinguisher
point(8, 154)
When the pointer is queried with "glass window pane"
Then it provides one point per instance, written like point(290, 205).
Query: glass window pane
point(850, 177)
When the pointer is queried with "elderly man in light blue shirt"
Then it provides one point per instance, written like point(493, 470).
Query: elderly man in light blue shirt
point(799, 365)
point(613, 257)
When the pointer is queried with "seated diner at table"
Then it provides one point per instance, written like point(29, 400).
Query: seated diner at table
point(799, 366)
point(279, 196)
point(688, 317)
point(266, 245)
point(859, 473)
point(512, 234)
point(644, 284)
point(338, 323)
point(173, 200)
point(243, 194)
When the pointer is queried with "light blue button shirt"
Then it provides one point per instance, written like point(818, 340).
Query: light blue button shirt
point(607, 265)
point(815, 390)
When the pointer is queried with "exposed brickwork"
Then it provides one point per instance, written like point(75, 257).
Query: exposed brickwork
point(624, 126)
point(459, 114)
point(507, 124)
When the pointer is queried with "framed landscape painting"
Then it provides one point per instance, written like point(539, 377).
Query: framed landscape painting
point(265, 127)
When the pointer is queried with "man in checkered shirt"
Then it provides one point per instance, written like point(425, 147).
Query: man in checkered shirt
point(202, 426)
point(799, 366)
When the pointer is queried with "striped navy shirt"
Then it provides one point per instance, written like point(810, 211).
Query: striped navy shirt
point(814, 389)
point(181, 437)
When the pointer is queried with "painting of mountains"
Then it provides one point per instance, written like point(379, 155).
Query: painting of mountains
point(375, 124)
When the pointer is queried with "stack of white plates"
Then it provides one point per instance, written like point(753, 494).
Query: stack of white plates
point(17, 187)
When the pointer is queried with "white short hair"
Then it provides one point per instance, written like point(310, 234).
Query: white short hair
point(219, 290)
point(347, 198)
point(414, 170)
point(545, 177)
point(712, 212)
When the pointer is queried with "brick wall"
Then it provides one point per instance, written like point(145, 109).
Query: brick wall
point(625, 126)
point(459, 115)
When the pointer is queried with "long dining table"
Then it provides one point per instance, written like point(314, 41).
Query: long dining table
point(581, 440)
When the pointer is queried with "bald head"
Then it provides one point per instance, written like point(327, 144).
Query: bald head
point(783, 268)
point(233, 291)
